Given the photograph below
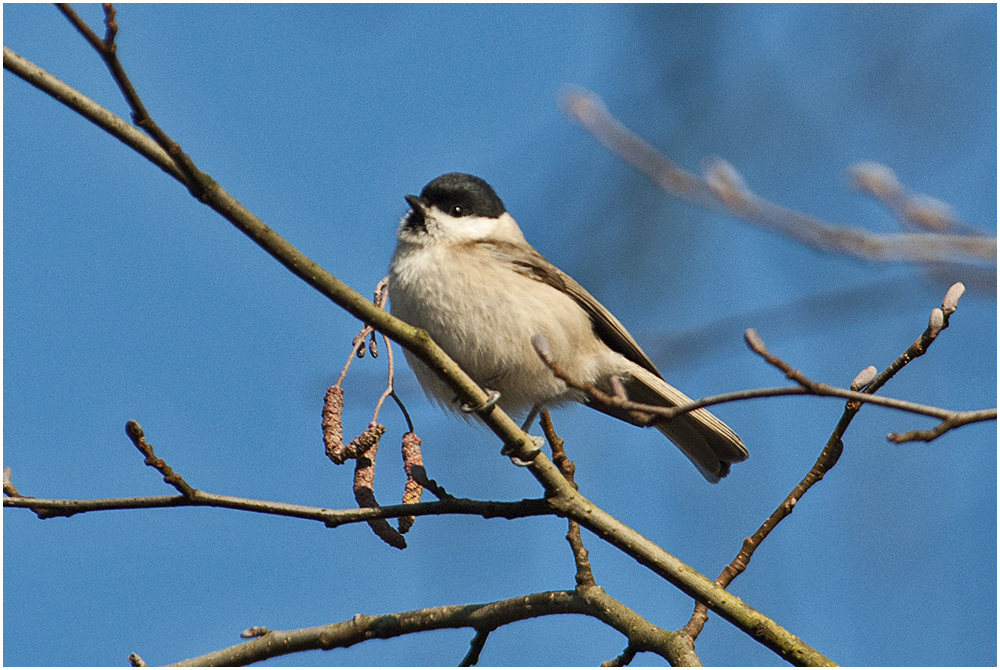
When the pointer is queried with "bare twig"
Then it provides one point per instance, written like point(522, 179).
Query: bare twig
point(389, 389)
point(367, 333)
point(475, 648)
point(641, 633)
point(196, 181)
point(954, 421)
point(584, 571)
point(134, 432)
point(806, 387)
point(757, 345)
point(330, 517)
point(357, 351)
point(623, 659)
point(938, 321)
point(867, 379)
point(912, 210)
point(93, 112)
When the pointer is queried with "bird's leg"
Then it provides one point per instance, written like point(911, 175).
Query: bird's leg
point(531, 418)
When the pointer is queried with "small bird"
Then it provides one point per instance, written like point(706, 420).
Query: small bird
point(463, 272)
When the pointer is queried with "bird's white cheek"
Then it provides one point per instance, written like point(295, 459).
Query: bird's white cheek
point(469, 228)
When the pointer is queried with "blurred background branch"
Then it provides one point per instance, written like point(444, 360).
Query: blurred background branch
point(722, 189)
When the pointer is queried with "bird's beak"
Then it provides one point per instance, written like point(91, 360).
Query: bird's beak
point(415, 220)
point(416, 203)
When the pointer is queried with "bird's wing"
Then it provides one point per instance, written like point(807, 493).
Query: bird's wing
point(708, 442)
point(527, 261)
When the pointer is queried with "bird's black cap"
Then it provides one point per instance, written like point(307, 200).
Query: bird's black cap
point(471, 195)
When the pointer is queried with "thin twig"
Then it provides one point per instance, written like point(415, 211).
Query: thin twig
point(196, 181)
point(357, 351)
point(390, 373)
point(98, 115)
point(475, 648)
point(959, 419)
point(584, 571)
point(832, 450)
point(912, 210)
point(623, 659)
point(806, 387)
point(641, 633)
point(134, 432)
point(332, 518)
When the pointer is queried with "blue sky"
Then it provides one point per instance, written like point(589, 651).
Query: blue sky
point(126, 299)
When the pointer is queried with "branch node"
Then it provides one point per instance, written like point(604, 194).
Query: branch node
point(726, 183)
point(255, 631)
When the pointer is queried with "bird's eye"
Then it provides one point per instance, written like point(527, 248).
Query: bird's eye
point(456, 210)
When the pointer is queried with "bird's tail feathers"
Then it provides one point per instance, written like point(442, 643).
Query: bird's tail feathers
point(709, 443)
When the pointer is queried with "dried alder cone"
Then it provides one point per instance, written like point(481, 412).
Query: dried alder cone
point(412, 459)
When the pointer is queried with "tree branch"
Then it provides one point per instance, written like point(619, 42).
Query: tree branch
point(483, 618)
point(48, 508)
point(362, 627)
point(868, 380)
point(563, 498)
point(114, 125)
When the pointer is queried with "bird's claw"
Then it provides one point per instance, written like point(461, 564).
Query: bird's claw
point(509, 450)
point(490, 403)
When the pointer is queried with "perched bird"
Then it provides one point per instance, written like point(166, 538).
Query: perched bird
point(463, 272)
